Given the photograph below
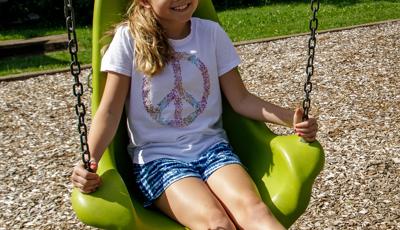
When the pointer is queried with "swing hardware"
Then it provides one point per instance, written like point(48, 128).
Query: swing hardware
point(250, 139)
point(75, 69)
point(312, 43)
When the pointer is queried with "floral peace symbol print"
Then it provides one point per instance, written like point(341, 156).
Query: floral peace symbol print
point(178, 95)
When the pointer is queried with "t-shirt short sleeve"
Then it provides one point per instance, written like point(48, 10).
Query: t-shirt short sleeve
point(227, 57)
point(119, 55)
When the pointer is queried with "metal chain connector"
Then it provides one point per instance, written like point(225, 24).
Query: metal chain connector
point(312, 43)
point(75, 68)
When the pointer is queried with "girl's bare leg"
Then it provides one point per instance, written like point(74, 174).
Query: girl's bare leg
point(190, 202)
point(237, 192)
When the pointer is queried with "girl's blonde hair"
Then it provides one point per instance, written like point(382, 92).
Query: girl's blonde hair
point(152, 49)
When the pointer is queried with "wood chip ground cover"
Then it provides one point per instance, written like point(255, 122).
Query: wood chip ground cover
point(356, 97)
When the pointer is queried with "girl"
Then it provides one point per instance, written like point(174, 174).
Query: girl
point(169, 71)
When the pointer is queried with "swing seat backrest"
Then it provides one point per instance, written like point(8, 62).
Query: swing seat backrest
point(283, 167)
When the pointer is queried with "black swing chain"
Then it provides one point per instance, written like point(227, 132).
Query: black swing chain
point(312, 42)
point(75, 69)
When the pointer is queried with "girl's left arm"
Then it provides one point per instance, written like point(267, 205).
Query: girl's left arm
point(251, 106)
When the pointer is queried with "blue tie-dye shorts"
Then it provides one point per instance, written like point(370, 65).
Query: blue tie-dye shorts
point(154, 177)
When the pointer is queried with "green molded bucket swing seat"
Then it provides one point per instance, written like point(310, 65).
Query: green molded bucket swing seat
point(283, 167)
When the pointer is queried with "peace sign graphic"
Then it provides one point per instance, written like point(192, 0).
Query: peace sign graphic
point(178, 95)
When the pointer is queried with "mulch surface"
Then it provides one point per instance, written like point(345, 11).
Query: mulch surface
point(356, 97)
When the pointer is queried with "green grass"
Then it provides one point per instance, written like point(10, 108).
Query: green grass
point(51, 60)
point(285, 17)
point(292, 18)
point(24, 33)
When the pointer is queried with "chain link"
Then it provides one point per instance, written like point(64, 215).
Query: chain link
point(75, 68)
point(312, 43)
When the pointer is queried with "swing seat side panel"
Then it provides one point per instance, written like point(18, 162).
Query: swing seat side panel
point(283, 168)
point(103, 207)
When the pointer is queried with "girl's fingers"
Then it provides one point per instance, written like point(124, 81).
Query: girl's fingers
point(306, 124)
point(307, 127)
point(85, 187)
point(86, 181)
point(309, 137)
point(307, 131)
point(79, 170)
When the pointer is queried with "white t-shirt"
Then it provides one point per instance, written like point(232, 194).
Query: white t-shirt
point(176, 114)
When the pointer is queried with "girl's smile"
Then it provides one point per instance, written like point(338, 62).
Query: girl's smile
point(181, 7)
point(173, 15)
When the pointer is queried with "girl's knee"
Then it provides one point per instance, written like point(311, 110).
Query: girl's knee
point(260, 209)
point(256, 209)
point(216, 219)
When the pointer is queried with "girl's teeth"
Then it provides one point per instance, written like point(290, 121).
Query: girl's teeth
point(180, 7)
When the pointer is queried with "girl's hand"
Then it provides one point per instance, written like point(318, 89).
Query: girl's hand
point(84, 180)
point(305, 129)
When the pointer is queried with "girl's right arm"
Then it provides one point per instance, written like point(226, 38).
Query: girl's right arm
point(103, 129)
point(108, 115)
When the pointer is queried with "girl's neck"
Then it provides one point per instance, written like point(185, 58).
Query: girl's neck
point(177, 31)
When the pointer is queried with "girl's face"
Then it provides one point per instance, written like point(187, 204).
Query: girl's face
point(172, 11)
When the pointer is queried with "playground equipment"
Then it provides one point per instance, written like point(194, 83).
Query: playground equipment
point(283, 167)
